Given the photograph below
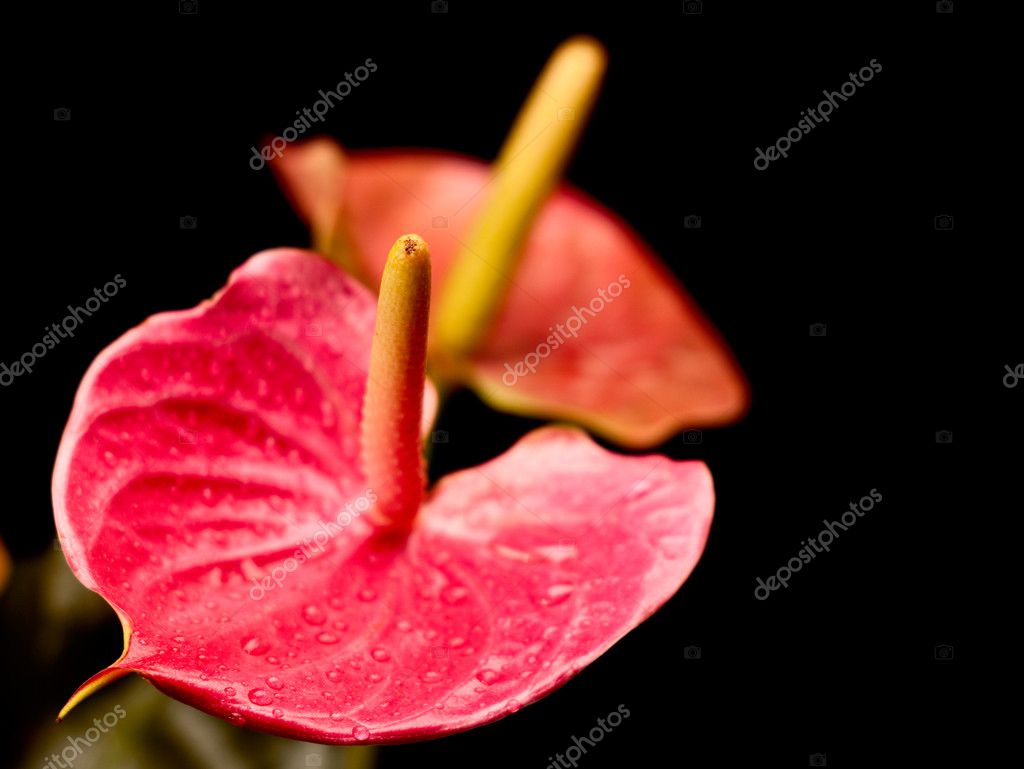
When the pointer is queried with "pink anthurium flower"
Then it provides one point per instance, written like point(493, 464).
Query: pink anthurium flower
point(550, 305)
point(243, 483)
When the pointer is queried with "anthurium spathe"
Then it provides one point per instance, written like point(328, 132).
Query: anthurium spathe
point(243, 483)
point(550, 305)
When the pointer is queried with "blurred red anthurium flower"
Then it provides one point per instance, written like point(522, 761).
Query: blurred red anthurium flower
point(550, 305)
point(242, 483)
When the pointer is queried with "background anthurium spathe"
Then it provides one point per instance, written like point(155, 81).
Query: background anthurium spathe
point(643, 362)
point(208, 447)
point(5, 566)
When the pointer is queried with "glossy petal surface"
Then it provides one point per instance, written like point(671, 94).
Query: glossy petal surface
point(208, 449)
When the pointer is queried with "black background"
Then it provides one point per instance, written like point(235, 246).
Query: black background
point(920, 323)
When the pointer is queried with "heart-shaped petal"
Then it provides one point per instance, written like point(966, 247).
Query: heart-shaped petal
point(593, 327)
point(208, 486)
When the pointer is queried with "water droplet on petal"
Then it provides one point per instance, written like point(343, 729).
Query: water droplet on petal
point(337, 715)
point(327, 638)
point(277, 712)
point(313, 615)
point(556, 594)
point(380, 655)
point(361, 733)
point(404, 625)
point(367, 594)
point(254, 645)
point(487, 676)
point(431, 676)
point(110, 459)
point(237, 719)
point(230, 691)
point(513, 706)
point(260, 697)
point(333, 676)
point(275, 683)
